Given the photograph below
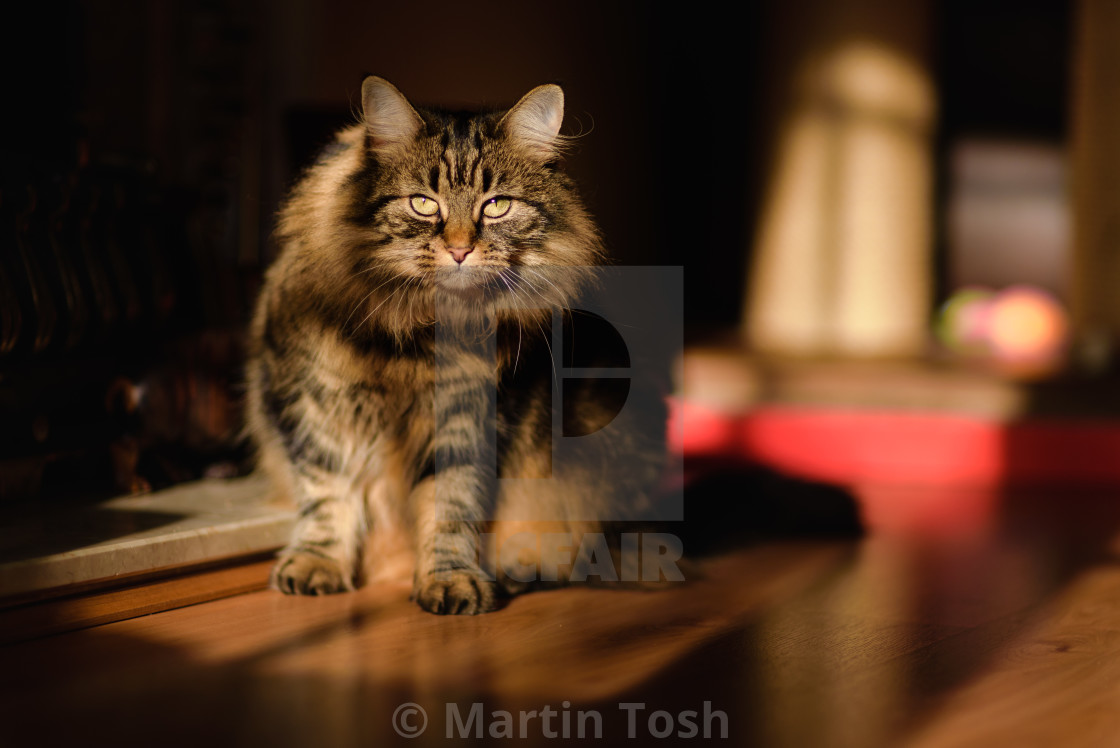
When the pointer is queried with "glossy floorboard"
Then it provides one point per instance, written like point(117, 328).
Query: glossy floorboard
point(1002, 635)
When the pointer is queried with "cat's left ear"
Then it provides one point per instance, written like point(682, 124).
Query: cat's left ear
point(534, 122)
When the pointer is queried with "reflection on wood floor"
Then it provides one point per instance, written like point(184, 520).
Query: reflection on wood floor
point(1008, 635)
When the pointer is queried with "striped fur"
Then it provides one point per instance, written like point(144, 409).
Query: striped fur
point(391, 385)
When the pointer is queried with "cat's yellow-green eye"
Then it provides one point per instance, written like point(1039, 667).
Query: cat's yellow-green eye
point(496, 207)
point(424, 206)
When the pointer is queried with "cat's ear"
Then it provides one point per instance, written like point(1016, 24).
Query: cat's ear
point(390, 119)
point(534, 122)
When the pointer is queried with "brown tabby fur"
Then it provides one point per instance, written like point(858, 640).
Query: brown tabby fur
point(372, 416)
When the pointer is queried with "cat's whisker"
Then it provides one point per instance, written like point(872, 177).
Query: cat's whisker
point(411, 299)
point(541, 294)
point(366, 298)
point(529, 292)
point(560, 295)
point(388, 298)
point(517, 358)
point(397, 308)
point(548, 343)
point(514, 292)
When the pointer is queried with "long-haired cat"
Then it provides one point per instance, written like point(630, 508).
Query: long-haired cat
point(402, 372)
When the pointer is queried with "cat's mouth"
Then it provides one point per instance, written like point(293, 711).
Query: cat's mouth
point(474, 282)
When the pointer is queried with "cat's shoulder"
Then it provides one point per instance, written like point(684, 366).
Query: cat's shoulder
point(347, 141)
point(335, 160)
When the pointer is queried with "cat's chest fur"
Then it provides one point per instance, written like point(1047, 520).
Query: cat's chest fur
point(379, 400)
point(372, 396)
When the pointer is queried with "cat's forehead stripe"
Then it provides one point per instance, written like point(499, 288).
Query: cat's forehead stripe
point(447, 168)
point(461, 157)
point(474, 169)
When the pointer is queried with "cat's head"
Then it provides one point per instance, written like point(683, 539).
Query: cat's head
point(471, 208)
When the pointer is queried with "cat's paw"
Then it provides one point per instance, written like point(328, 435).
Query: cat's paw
point(459, 592)
point(300, 573)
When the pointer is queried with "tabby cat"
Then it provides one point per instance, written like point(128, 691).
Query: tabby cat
point(402, 370)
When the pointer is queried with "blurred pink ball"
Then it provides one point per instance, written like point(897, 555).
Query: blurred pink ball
point(1027, 324)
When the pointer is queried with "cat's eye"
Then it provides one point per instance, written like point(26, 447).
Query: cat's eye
point(496, 207)
point(424, 206)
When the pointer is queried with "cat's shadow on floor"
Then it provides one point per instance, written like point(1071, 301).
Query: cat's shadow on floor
point(731, 507)
point(727, 507)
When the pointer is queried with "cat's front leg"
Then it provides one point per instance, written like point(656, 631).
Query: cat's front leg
point(324, 554)
point(449, 579)
point(305, 449)
point(455, 490)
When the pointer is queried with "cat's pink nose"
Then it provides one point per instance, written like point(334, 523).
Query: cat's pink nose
point(460, 253)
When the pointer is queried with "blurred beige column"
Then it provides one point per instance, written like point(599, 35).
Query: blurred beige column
point(1095, 151)
point(842, 259)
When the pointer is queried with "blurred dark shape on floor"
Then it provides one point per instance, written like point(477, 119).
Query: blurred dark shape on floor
point(731, 505)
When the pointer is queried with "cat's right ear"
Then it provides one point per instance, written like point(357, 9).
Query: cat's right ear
point(390, 119)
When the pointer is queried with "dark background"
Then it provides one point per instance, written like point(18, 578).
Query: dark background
point(153, 140)
point(228, 99)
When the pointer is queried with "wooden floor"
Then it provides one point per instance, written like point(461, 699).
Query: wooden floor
point(998, 634)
